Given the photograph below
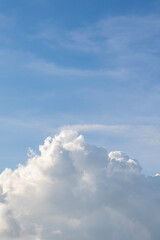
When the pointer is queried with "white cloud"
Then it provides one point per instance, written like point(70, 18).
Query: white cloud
point(111, 35)
point(98, 127)
point(52, 69)
point(74, 190)
point(146, 134)
point(126, 46)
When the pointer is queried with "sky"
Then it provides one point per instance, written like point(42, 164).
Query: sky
point(87, 65)
point(79, 120)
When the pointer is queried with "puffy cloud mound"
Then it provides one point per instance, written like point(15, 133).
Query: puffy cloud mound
point(76, 191)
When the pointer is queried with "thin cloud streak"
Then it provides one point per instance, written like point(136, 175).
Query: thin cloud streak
point(114, 34)
point(98, 127)
point(143, 134)
point(54, 70)
point(146, 134)
point(127, 47)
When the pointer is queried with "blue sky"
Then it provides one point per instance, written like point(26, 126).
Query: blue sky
point(93, 64)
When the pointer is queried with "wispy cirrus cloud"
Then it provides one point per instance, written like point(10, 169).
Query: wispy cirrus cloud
point(146, 134)
point(97, 127)
point(55, 70)
point(141, 134)
point(113, 34)
point(128, 44)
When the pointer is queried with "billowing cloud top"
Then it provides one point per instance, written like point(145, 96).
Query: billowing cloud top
point(76, 191)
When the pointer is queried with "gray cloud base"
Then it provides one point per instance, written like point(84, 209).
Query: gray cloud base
point(76, 191)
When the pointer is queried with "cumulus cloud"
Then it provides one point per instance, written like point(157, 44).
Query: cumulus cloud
point(73, 190)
